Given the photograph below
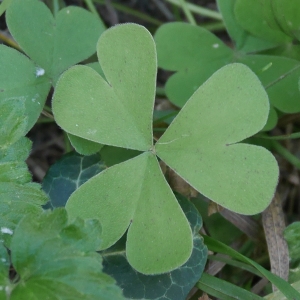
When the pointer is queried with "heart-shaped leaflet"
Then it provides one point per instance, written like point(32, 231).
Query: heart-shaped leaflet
point(54, 43)
point(134, 194)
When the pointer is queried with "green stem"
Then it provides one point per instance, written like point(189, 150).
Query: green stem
point(215, 26)
point(187, 12)
point(295, 135)
point(295, 161)
point(160, 91)
point(55, 7)
point(68, 146)
point(92, 8)
point(132, 12)
point(199, 10)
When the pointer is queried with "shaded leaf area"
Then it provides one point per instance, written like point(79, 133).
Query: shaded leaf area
point(68, 173)
point(52, 46)
point(292, 236)
point(169, 286)
point(207, 54)
point(215, 224)
point(55, 259)
point(272, 21)
point(244, 41)
point(18, 195)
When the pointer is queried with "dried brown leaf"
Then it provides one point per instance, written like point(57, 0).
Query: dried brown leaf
point(274, 225)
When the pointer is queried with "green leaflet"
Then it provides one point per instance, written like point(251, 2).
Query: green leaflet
point(173, 285)
point(56, 259)
point(51, 43)
point(163, 236)
point(119, 112)
point(82, 146)
point(211, 113)
point(120, 96)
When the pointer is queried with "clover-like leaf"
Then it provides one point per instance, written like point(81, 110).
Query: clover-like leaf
point(199, 144)
point(203, 150)
point(53, 44)
point(274, 72)
point(173, 285)
point(55, 259)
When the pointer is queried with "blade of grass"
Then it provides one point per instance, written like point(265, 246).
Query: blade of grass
point(282, 285)
point(295, 161)
point(295, 135)
point(199, 10)
point(187, 13)
point(132, 12)
point(92, 8)
point(222, 289)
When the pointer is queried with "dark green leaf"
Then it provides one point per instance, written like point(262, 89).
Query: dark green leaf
point(67, 174)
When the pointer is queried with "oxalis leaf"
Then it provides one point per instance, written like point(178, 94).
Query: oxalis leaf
point(54, 259)
point(174, 285)
point(199, 54)
point(199, 145)
point(53, 44)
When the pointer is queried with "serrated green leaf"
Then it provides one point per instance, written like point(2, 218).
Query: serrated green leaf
point(68, 174)
point(83, 146)
point(30, 192)
point(19, 151)
point(292, 236)
point(14, 172)
point(12, 122)
point(244, 41)
point(166, 241)
point(53, 43)
point(51, 260)
point(4, 271)
point(204, 150)
point(19, 83)
point(172, 285)
point(264, 24)
point(130, 68)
